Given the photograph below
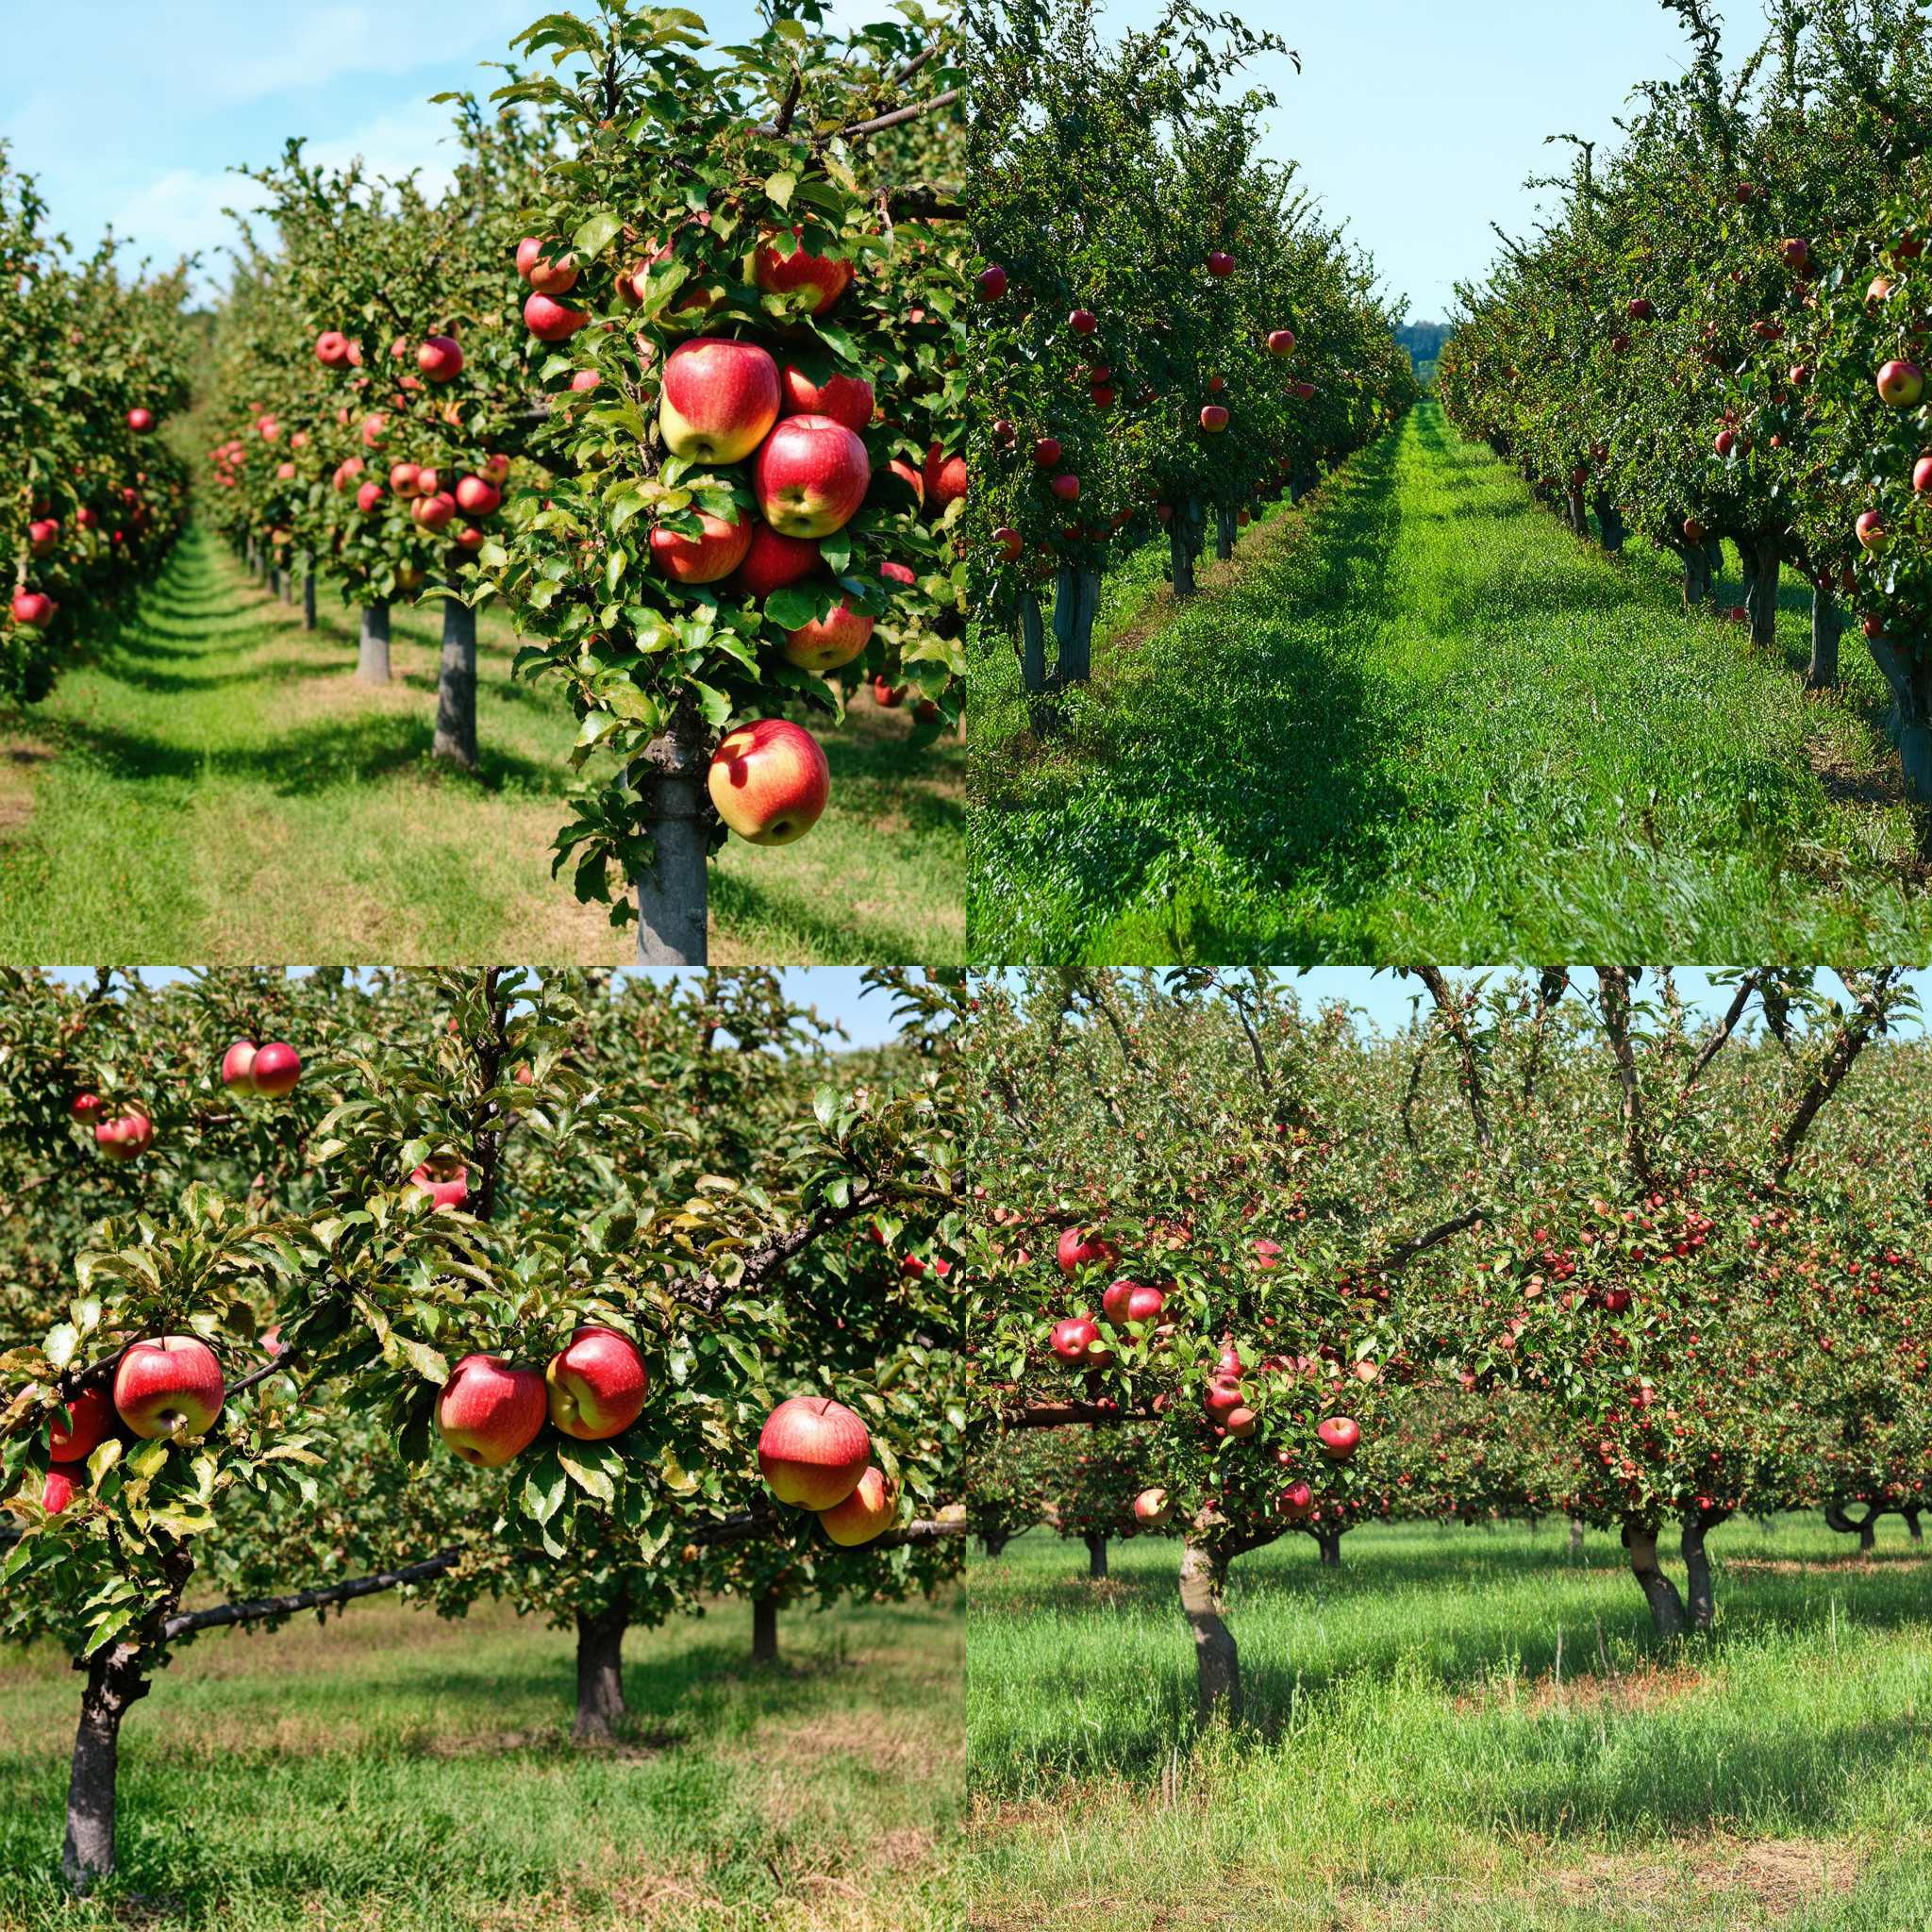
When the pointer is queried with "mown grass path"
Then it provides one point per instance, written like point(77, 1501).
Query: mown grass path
point(216, 786)
point(1459, 1730)
point(1418, 720)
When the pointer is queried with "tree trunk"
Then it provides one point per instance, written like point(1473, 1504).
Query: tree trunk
point(1075, 603)
point(289, 586)
point(1611, 525)
point(1180, 556)
point(456, 689)
point(600, 1672)
point(1329, 1542)
point(1216, 1662)
point(669, 777)
point(993, 1542)
point(1032, 644)
point(1912, 1529)
point(308, 599)
point(274, 581)
point(1096, 1559)
point(1575, 513)
point(1909, 673)
point(1702, 1597)
point(1666, 1605)
point(1765, 569)
point(115, 1680)
point(1576, 1535)
point(1224, 532)
point(1828, 627)
point(1696, 573)
point(764, 1630)
point(372, 663)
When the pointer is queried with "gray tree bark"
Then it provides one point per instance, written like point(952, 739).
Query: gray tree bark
point(1702, 1593)
point(1828, 627)
point(1328, 1542)
point(1180, 554)
point(1611, 525)
point(672, 911)
point(1764, 565)
point(371, 661)
point(1076, 605)
point(764, 1630)
point(1096, 1559)
point(1666, 1605)
point(1217, 1661)
point(1576, 1535)
point(456, 689)
point(600, 1672)
point(308, 599)
point(1032, 644)
point(1224, 528)
point(1910, 675)
point(115, 1681)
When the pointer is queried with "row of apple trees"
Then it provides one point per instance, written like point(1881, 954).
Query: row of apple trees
point(91, 363)
point(600, 1298)
point(1721, 335)
point(673, 369)
point(1169, 332)
point(1559, 1246)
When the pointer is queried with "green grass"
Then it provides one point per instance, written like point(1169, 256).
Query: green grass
point(392, 1770)
point(1420, 721)
point(1412, 1759)
point(216, 786)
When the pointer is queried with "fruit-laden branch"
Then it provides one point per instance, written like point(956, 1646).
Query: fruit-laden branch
point(1722, 1031)
point(1450, 1010)
point(1061, 1415)
point(1615, 983)
point(1854, 1035)
point(712, 1293)
point(1403, 1252)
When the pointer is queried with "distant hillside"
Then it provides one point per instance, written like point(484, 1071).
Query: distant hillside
point(1424, 341)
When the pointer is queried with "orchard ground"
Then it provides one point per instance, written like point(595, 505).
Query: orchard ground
point(1416, 718)
point(1419, 1755)
point(393, 1769)
point(217, 785)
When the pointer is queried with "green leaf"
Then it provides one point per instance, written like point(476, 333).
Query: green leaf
point(779, 187)
point(591, 1477)
point(62, 1340)
point(712, 702)
point(595, 233)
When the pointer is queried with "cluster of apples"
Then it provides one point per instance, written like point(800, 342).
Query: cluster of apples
point(815, 1454)
point(170, 1386)
point(121, 1136)
point(491, 1409)
point(270, 1070)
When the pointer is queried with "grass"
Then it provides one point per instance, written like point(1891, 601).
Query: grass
point(391, 1771)
point(215, 785)
point(1418, 720)
point(1416, 1757)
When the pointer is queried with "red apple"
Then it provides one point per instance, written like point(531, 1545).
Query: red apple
point(1012, 545)
point(433, 512)
point(132, 1134)
point(812, 1451)
point(1071, 1338)
point(1901, 384)
point(332, 349)
point(944, 476)
point(490, 1411)
point(446, 1181)
point(1083, 321)
point(169, 1387)
point(1152, 1507)
point(1079, 1247)
point(1725, 442)
point(89, 1418)
point(59, 1491)
point(810, 476)
point(702, 559)
point(42, 536)
point(1297, 1500)
point(1281, 341)
point(277, 1067)
point(141, 420)
point(34, 609)
point(476, 496)
point(992, 282)
point(440, 359)
point(769, 781)
point(597, 1385)
point(1214, 418)
point(1339, 1436)
point(1641, 308)
point(1871, 532)
point(866, 1514)
point(549, 321)
point(782, 275)
point(1131, 1301)
point(1221, 263)
point(1067, 488)
point(368, 496)
point(720, 400)
point(826, 642)
point(845, 399)
point(774, 560)
point(84, 1107)
point(550, 276)
point(238, 1066)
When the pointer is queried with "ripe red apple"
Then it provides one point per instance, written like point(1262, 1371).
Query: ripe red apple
point(332, 349)
point(89, 1418)
point(901, 573)
point(141, 420)
point(1616, 1299)
point(476, 496)
point(433, 512)
point(1012, 545)
point(866, 1514)
point(549, 321)
point(1078, 1247)
point(406, 480)
point(132, 1134)
point(1901, 385)
point(769, 781)
point(1281, 341)
point(440, 359)
point(368, 496)
point(1152, 1507)
point(1795, 252)
point(553, 277)
point(584, 381)
point(1922, 474)
point(277, 1067)
point(1046, 452)
point(782, 275)
point(84, 1107)
point(826, 642)
point(1071, 1338)
point(845, 399)
point(1083, 321)
point(1339, 1436)
point(774, 560)
point(1693, 530)
point(237, 1065)
point(1221, 263)
point(1872, 532)
point(169, 1387)
point(990, 282)
point(1131, 1301)
point(529, 252)
point(490, 1411)
point(812, 1451)
point(1224, 1397)
point(887, 695)
point(1066, 487)
point(702, 559)
point(944, 476)
point(720, 400)
point(446, 1181)
point(597, 1386)
point(34, 609)
point(1725, 442)
point(59, 1491)
point(1641, 308)
point(810, 476)
point(42, 536)
point(1214, 418)
point(1297, 1500)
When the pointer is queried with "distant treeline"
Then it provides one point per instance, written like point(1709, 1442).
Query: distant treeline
point(1424, 341)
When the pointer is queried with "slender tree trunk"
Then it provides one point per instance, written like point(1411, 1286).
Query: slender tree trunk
point(1701, 1595)
point(1912, 1529)
point(1909, 673)
point(1329, 1542)
point(1032, 643)
point(1576, 1535)
point(274, 581)
point(1216, 1662)
point(600, 1671)
point(764, 1630)
point(308, 599)
point(669, 777)
point(1611, 527)
point(371, 662)
point(456, 689)
point(1696, 573)
point(1576, 512)
point(1224, 532)
point(289, 585)
point(1076, 602)
point(1766, 568)
point(1828, 627)
point(993, 1542)
point(1180, 554)
point(1868, 1533)
point(1666, 1605)
point(1096, 1559)
point(115, 1681)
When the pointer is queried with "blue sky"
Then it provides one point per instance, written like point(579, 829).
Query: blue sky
point(1415, 120)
